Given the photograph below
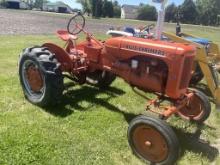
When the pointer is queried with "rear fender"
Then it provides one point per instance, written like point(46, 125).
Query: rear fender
point(61, 55)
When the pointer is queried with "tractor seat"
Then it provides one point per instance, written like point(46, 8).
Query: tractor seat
point(65, 35)
point(129, 30)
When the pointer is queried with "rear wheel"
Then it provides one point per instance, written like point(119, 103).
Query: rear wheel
point(40, 76)
point(102, 79)
point(153, 140)
point(197, 109)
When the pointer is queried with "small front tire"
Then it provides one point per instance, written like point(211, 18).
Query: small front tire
point(153, 140)
point(197, 109)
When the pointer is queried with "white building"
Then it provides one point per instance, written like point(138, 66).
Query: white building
point(129, 11)
point(58, 7)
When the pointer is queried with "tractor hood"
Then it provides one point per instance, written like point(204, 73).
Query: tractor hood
point(146, 46)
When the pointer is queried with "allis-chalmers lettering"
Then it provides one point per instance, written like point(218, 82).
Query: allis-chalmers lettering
point(145, 50)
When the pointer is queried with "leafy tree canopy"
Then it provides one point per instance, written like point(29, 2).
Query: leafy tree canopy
point(147, 12)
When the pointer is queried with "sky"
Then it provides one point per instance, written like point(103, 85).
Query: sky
point(73, 3)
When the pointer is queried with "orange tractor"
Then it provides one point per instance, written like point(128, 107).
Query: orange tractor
point(160, 67)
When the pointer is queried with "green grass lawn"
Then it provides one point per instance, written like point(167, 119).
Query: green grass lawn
point(90, 126)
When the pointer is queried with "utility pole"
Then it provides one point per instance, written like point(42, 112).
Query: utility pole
point(160, 19)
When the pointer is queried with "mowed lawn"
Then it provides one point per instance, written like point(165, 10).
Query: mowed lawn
point(90, 126)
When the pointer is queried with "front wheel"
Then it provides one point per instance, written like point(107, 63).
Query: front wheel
point(40, 76)
point(197, 109)
point(153, 140)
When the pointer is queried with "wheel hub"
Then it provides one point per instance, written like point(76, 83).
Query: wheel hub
point(34, 78)
point(150, 144)
point(193, 109)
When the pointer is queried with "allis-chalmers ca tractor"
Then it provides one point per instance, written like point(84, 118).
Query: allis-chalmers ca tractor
point(160, 67)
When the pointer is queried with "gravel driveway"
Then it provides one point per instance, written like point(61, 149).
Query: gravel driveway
point(34, 22)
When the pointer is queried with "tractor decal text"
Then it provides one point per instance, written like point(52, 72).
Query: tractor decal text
point(146, 50)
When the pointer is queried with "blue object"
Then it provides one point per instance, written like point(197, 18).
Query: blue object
point(130, 30)
point(201, 41)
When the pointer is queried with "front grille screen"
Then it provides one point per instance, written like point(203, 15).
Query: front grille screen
point(186, 73)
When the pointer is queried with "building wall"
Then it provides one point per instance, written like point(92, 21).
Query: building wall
point(129, 12)
point(12, 1)
point(13, 4)
point(16, 4)
point(122, 13)
point(55, 8)
point(131, 16)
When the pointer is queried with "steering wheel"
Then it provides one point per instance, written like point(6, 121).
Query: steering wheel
point(76, 24)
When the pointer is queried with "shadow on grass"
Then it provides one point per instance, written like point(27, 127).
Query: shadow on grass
point(72, 99)
point(192, 142)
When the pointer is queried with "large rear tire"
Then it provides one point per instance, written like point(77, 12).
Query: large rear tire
point(153, 140)
point(40, 76)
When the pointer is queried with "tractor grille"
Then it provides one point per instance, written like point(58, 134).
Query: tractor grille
point(186, 72)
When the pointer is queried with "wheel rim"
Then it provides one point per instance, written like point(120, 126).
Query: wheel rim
point(150, 144)
point(193, 110)
point(34, 81)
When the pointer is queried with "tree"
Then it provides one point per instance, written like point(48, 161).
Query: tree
point(108, 9)
point(115, 3)
point(30, 3)
point(100, 8)
point(94, 2)
point(141, 4)
point(189, 12)
point(171, 12)
point(97, 8)
point(147, 12)
point(104, 7)
point(117, 9)
point(208, 11)
point(39, 3)
point(218, 20)
point(86, 6)
point(3, 3)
